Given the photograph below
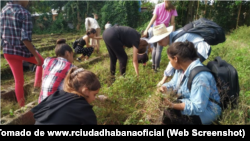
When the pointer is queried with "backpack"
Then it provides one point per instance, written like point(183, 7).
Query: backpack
point(75, 43)
point(209, 30)
point(226, 77)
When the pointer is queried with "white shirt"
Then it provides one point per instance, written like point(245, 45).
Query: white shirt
point(92, 23)
point(107, 25)
point(199, 44)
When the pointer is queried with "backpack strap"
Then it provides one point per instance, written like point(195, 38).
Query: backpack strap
point(193, 73)
point(184, 30)
point(178, 35)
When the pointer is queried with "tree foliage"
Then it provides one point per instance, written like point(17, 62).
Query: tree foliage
point(120, 12)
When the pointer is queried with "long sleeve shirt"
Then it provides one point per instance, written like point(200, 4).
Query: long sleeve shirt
point(199, 43)
point(197, 99)
point(16, 26)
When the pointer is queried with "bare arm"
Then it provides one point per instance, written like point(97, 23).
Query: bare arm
point(29, 45)
point(135, 60)
point(98, 38)
point(150, 23)
point(86, 38)
point(172, 22)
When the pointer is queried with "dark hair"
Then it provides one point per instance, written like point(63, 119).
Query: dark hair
point(170, 7)
point(76, 79)
point(142, 46)
point(184, 50)
point(62, 47)
point(92, 30)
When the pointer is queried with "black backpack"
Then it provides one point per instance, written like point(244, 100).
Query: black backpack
point(209, 30)
point(75, 43)
point(226, 77)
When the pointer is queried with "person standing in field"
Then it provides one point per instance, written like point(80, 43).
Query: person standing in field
point(165, 13)
point(16, 38)
point(92, 23)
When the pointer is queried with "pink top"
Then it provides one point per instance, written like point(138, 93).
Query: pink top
point(163, 16)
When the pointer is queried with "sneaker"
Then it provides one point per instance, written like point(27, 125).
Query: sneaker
point(34, 68)
point(36, 90)
point(79, 59)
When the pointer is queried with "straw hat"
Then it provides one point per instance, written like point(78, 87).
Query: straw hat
point(160, 32)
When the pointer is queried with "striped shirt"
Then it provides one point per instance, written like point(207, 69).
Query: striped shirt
point(16, 26)
point(54, 72)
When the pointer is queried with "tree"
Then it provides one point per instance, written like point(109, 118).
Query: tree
point(121, 12)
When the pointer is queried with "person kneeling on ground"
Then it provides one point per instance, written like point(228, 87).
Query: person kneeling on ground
point(72, 104)
point(55, 69)
point(194, 106)
point(88, 50)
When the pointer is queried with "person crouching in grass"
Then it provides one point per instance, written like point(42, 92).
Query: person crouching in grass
point(56, 69)
point(71, 105)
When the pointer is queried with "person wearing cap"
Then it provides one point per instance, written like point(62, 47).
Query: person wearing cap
point(92, 23)
point(164, 13)
point(163, 36)
point(118, 37)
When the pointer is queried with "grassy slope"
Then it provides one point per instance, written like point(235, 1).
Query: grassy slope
point(134, 100)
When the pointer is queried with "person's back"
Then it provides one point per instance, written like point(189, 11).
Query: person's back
point(108, 25)
point(55, 69)
point(92, 23)
point(74, 109)
point(72, 104)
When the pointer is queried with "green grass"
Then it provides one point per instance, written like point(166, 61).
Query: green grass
point(134, 100)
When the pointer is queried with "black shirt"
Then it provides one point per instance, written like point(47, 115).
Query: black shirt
point(63, 108)
point(128, 36)
point(82, 42)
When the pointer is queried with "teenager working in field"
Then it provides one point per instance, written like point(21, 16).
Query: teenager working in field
point(118, 37)
point(16, 34)
point(88, 50)
point(92, 23)
point(164, 13)
point(71, 105)
point(56, 69)
point(194, 106)
point(163, 36)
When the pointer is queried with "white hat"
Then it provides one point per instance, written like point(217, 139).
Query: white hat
point(160, 32)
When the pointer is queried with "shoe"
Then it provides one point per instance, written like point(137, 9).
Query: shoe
point(34, 68)
point(156, 70)
point(36, 90)
point(153, 67)
point(79, 59)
